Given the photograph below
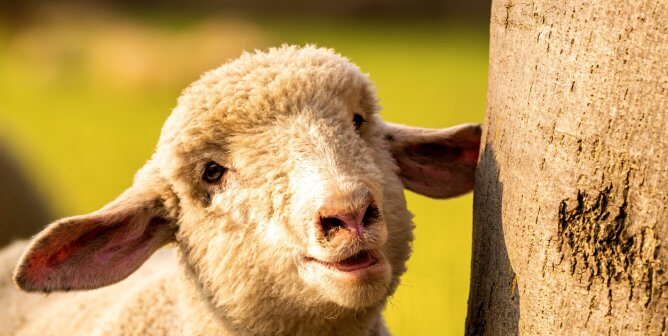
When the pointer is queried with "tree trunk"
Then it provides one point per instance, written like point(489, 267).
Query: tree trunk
point(571, 199)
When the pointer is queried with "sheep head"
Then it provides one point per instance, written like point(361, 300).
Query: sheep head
point(279, 183)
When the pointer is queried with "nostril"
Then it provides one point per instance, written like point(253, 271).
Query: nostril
point(331, 224)
point(355, 222)
point(371, 215)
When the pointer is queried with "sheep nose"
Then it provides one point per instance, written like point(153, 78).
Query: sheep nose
point(355, 221)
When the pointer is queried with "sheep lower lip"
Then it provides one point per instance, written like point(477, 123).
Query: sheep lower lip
point(361, 260)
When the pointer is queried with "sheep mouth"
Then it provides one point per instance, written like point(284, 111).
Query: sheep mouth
point(358, 262)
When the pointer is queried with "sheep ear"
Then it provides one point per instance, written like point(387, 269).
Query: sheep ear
point(435, 163)
point(98, 249)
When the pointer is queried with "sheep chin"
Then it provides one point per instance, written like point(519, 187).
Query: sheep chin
point(350, 286)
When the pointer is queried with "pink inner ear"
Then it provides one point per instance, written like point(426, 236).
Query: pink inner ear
point(130, 248)
point(470, 156)
point(101, 255)
point(60, 256)
point(66, 251)
point(39, 266)
point(438, 169)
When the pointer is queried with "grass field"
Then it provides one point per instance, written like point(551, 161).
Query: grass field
point(82, 109)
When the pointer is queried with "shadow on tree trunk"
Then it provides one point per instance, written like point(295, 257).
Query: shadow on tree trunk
point(491, 271)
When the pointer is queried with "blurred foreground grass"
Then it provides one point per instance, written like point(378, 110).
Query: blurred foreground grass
point(82, 99)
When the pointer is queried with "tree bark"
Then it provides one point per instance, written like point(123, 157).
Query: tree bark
point(571, 199)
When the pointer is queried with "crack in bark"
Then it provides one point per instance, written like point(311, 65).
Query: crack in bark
point(595, 238)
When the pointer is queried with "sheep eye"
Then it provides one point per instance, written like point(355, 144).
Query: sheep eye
point(358, 120)
point(213, 172)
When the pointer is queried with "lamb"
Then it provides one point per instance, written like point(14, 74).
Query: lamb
point(280, 192)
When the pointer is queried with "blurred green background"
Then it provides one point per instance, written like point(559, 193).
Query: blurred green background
point(84, 91)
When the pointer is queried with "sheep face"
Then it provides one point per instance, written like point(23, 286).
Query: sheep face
point(310, 204)
point(282, 188)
